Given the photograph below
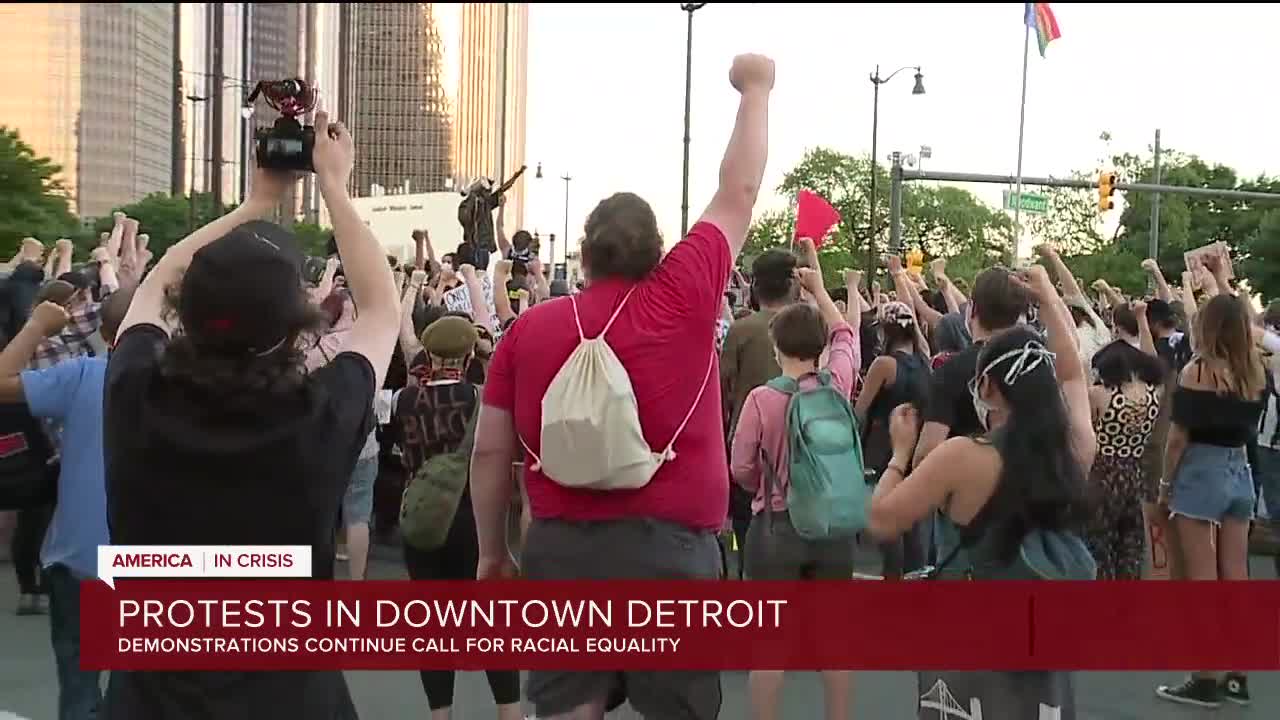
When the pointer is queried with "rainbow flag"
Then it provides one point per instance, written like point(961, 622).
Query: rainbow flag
point(1040, 18)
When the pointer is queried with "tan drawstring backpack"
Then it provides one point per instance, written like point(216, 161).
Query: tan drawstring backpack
point(591, 436)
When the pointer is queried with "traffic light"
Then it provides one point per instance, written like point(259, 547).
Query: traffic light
point(1106, 187)
point(915, 262)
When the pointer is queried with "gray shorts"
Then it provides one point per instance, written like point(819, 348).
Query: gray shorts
point(357, 501)
point(775, 551)
point(631, 549)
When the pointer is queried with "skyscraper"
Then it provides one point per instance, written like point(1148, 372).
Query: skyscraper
point(398, 107)
point(275, 53)
point(494, 47)
point(90, 86)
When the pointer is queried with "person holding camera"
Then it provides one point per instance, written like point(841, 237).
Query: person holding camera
point(215, 434)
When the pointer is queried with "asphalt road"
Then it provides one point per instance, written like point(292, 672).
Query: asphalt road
point(28, 684)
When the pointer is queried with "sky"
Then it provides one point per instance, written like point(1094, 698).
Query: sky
point(606, 92)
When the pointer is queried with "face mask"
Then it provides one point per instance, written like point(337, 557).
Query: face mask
point(980, 407)
point(1024, 360)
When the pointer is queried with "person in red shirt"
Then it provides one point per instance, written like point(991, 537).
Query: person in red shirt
point(665, 337)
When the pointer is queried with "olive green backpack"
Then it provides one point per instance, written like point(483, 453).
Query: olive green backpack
point(431, 497)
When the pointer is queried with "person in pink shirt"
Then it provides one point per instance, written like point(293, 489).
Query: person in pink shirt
point(802, 334)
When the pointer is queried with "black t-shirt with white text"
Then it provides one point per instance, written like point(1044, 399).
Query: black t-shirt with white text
point(950, 402)
point(185, 469)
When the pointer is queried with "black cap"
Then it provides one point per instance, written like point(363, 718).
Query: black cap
point(243, 291)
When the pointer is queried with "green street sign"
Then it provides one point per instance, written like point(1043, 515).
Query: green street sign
point(1027, 202)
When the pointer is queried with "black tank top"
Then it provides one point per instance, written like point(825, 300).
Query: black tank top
point(910, 385)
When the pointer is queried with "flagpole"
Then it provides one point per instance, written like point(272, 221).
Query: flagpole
point(1022, 126)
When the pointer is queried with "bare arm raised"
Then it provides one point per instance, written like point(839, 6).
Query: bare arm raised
point(363, 261)
point(742, 169)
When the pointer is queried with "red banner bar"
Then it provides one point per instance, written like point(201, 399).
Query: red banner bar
point(305, 625)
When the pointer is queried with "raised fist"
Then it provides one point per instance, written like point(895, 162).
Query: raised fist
point(809, 279)
point(334, 152)
point(49, 318)
point(32, 249)
point(100, 255)
point(64, 246)
point(1150, 266)
point(752, 73)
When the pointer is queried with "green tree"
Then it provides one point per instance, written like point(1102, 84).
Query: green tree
point(166, 219)
point(33, 202)
point(1072, 223)
point(1186, 222)
point(1262, 260)
point(313, 239)
point(941, 221)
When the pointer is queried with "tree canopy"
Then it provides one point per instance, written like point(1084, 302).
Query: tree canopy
point(939, 220)
point(1251, 229)
point(33, 202)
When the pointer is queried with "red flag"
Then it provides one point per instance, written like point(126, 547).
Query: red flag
point(814, 217)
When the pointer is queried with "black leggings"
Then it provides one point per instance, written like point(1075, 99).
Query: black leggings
point(28, 535)
point(457, 559)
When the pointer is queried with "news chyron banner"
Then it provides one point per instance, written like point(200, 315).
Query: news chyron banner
point(251, 608)
point(202, 561)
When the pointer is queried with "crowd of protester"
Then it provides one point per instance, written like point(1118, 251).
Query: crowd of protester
point(1019, 427)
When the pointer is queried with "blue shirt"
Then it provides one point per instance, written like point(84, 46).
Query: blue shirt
point(70, 393)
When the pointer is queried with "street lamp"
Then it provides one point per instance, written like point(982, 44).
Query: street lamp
point(246, 149)
point(689, 8)
point(566, 178)
point(191, 190)
point(876, 82)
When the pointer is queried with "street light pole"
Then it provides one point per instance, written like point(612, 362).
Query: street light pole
point(246, 150)
point(191, 189)
point(876, 82)
point(875, 132)
point(566, 180)
point(690, 9)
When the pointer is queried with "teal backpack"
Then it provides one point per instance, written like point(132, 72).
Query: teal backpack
point(1042, 555)
point(828, 495)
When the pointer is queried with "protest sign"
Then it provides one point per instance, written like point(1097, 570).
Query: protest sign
point(459, 299)
point(1195, 259)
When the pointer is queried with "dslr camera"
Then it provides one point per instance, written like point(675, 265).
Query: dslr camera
point(287, 144)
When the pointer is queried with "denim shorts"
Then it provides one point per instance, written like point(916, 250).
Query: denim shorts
point(1213, 483)
point(1268, 474)
point(357, 502)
